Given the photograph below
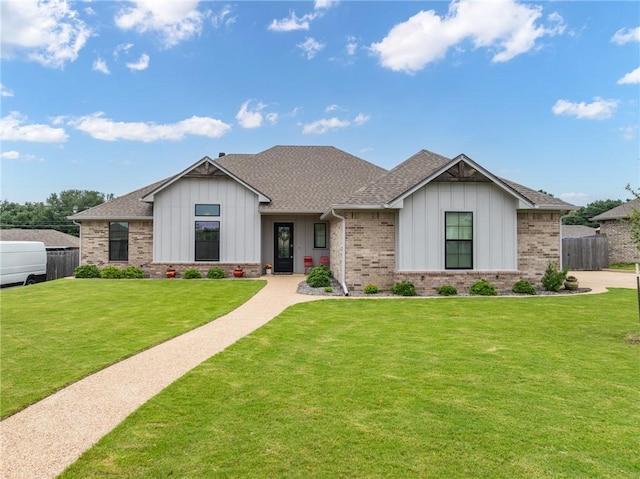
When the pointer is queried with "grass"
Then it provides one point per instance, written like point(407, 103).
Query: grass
point(623, 266)
point(465, 387)
point(58, 332)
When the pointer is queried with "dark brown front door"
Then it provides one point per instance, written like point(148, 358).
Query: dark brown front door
point(283, 247)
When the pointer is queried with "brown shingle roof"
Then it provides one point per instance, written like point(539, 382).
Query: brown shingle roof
point(302, 178)
point(124, 207)
point(622, 211)
point(50, 238)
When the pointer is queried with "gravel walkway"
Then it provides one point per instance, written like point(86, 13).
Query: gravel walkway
point(45, 438)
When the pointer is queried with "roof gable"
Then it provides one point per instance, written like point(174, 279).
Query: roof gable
point(621, 211)
point(205, 168)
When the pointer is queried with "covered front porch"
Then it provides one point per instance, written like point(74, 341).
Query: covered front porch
point(288, 239)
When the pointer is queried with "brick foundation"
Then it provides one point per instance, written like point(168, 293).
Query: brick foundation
point(158, 270)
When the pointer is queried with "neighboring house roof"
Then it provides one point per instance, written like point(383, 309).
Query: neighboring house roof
point(578, 231)
point(426, 166)
point(129, 206)
point(622, 211)
point(302, 179)
point(50, 238)
point(312, 179)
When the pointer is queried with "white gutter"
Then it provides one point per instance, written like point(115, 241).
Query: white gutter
point(80, 237)
point(343, 281)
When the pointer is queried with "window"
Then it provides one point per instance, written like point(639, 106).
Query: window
point(320, 235)
point(118, 241)
point(458, 240)
point(207, 241)
point(207, 210)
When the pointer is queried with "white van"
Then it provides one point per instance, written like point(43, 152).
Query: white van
point(22, 262)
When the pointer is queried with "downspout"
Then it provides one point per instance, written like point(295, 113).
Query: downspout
point(79, 237)
point(561, 251)
point(343, 280)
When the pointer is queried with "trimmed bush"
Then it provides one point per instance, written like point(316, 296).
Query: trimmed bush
point(404, 288)
point(216, 273)
point(371, 289)
point(319, 277)
point(447, 290)
point(131, 272)
point(328, 289)
point(111, 272)
point(552, 280)
point(87, 271)
point(192, 273)
point(483, 288)
point(523, 287)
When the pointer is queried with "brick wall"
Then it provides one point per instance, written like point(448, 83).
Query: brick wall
point(158, 270)
point(371, 250)
point(538, 242)
point(622, 249)
point(335, 247)
point(95, 243)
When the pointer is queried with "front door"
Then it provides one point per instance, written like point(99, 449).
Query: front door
point(283, 243)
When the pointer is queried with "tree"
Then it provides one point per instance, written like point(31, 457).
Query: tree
point(583, 215)
point(634, 219)
point(52, 214)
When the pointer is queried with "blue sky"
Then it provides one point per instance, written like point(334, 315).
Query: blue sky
point(112, 96)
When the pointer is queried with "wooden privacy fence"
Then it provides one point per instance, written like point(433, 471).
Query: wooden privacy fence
point(590, 253)
point(62, 262)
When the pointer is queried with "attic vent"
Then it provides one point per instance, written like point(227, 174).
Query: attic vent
point(221, 154)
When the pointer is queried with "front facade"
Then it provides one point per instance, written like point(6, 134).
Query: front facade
point(431, 220)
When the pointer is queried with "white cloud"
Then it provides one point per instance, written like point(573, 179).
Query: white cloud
point(50, 33)
point(273, 118)
point(361, 119)
point(352, 45)
point(123, 47)
point(310, 47)
point(223, 18)
point(4, 91)
point(323, 126)
point(629, 133)
point(599, 109)
point(631, 78)
point(320, 4)
point(626, 35)
point(100, 65)
point(250, 118)
point(141, 64)
point(174, 21)
point(333, 107)
point(292, 23)
point(12, 128)
point(503, 26)
point(10, 155)
point(108, 130)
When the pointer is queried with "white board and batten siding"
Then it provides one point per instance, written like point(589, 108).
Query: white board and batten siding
point(421, 228)
point(174, 220)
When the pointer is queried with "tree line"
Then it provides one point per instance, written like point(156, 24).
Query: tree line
point(51, 214)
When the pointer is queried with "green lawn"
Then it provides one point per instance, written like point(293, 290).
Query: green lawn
point(439, 388)
point(57, 332)
point(623, 266)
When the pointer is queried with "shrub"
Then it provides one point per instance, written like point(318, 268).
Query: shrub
point(523, 287)
point(552, 280)
point(483, 288)
point(87, 271)
point(319, 277)
point(111, 272)
point(404, 288)
point(371, 289)
point(131, 272)
point(328, 289)
point(216, 273)
point(447, 290)
point(192, 273)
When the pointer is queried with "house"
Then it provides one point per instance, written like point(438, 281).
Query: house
point(614, 226)
point(430, 220)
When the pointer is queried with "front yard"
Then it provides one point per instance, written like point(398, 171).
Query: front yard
point(465, 387)
point(57, 332)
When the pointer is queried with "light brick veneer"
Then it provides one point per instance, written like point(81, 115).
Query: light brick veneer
point(95, 243)
point(622, 249)
point(371, 253)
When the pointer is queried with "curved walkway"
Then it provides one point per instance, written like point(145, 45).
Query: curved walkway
point(45, 438)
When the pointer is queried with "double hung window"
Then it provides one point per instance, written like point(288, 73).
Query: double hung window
point(458, 240)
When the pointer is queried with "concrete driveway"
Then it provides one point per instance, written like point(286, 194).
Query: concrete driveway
point(599, 281)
